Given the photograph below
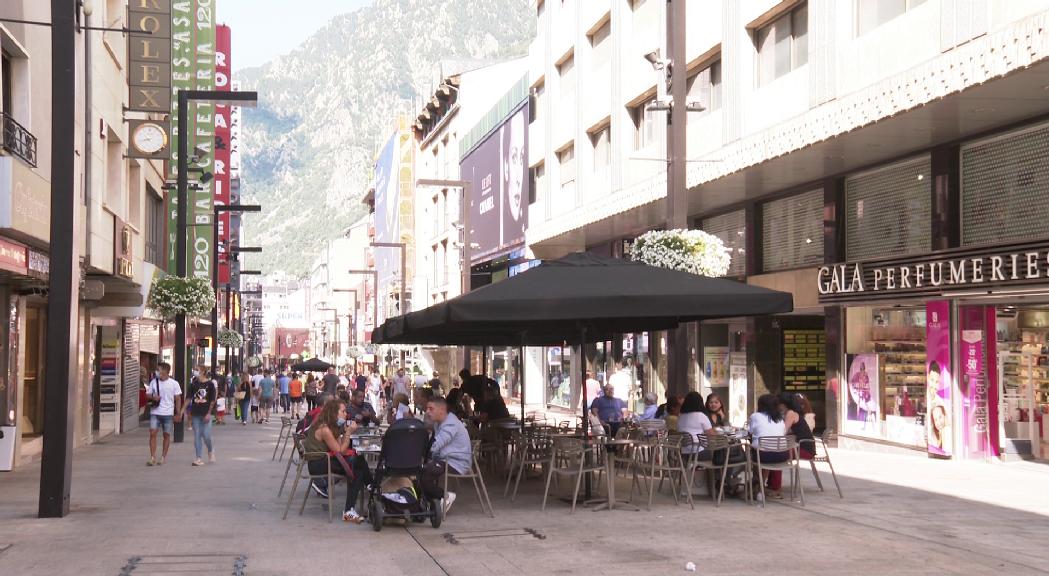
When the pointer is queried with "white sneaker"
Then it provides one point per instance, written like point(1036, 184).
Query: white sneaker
point(198, 462)
point(447, 501)
point(211, 457)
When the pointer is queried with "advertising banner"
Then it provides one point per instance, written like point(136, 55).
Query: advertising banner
point(149, 56)
point(862, 401)
point(977, 387)
point(715, 366)
point(498, 171)
point(737, 392)
point(193, 68)
point(222, 147)
point(938, 379)
point(387, 221)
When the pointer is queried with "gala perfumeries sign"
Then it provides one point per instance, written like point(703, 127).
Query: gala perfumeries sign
point(965, 269)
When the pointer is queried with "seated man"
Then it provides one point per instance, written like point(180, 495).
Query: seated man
point(650, 407)
point(360, 411)
point(451, 448)
point(609, 410)
point(492, 408)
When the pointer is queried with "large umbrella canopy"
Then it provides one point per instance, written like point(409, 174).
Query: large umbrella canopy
point(557, 301)
point(311, 365)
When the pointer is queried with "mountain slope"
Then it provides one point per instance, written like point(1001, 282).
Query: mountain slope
point(326, 108)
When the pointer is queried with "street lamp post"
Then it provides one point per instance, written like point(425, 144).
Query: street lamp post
point(184, 98)
point(353, 313)
point(375, 293)
point(335, 348)
point(218, 209)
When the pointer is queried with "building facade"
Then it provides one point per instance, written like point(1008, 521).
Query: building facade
point(823, 149)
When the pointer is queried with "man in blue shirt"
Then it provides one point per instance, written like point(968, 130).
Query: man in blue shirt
point(609, 410)
point(266, 392)
point(284, 382)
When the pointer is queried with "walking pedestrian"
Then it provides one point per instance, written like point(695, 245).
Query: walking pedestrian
point(374, 390)
point(295, 395)
point(311, 392)
point(283, 382)
point(165, 399)
point(331, 382)
point(244, 397)
point(202, 395)
point(267, 393)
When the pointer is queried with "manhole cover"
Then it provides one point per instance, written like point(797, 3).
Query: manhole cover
point(224, 564)
point(459, 537)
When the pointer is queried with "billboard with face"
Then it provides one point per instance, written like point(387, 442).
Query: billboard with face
point(498, 171)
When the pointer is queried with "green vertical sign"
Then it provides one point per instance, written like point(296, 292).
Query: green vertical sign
point(193, 68)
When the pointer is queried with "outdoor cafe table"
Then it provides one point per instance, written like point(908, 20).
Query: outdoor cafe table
point(610, 473)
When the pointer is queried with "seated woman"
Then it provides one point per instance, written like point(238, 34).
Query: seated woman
point(790, 406)
point(715, 410)
point(694, 421)
point(459, 404)
point(673, 412)
point(399, 408)
point(331, 433)
point(768, 422)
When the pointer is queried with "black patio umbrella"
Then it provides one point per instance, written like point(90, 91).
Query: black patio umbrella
point(311, 365)
point(581, 297)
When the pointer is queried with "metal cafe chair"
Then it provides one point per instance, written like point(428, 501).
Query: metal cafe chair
point(287, 428)
point(533, 450)
point(304, 461)
point(667, 460)
point(475, 475)
point(715, 445)
point(822, 455)
point(779, 444)
point(570, 457)
point(293, 459)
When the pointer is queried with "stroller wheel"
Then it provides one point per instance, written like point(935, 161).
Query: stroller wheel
point(436, 513)
point(375, 512)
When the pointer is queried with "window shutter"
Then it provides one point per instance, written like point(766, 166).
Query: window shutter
point(888, 211)
point(792, 232)
point(732, 229)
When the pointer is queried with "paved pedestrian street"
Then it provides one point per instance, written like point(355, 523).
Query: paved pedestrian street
point(901, 515)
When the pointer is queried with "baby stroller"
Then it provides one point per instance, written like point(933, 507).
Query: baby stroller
point(404, 448)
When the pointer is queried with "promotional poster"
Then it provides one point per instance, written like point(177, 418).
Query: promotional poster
point(862, 398)
point(938, 418)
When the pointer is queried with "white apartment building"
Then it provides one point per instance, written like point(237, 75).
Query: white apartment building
point(832, 131)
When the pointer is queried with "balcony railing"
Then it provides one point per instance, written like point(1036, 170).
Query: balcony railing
point(17, 140)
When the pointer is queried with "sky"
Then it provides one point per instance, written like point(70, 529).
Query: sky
point(265, 29)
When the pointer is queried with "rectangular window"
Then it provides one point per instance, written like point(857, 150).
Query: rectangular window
point(600, 139)
point(644, 125)
point(566, 160)
point(538, 185)
point(537, 101)
point(792, 232)
point(731, 228)
point(873, 13)
point(888, 211)
point(114, 195)
point(134, 197)
point(782, 45)
point(566, 75)
point(7, 84)
point(601, 44)
point(154, 230)
point(704, 87)
point(1004, 187)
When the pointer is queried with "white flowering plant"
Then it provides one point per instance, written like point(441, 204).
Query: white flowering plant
point(355, 352)
point(173, 295)
point(230, 338)
point(692, 251)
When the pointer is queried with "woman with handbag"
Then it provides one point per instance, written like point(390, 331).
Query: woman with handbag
point(243, 397)
point(330, 433)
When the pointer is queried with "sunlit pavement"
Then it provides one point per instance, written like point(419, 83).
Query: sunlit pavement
point(900, 515)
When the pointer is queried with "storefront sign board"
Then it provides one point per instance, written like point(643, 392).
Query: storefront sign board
point(964, 269)
point(737, 392)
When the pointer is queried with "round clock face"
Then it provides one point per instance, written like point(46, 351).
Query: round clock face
point(150, 138)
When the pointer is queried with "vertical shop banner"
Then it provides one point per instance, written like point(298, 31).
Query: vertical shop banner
point(938, 417)
point(223, 120)
point(737, 390)
point(862, 404)
point(193, 68)
point(387, 220)
point(977, 387)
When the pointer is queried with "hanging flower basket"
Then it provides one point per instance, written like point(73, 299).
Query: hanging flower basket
point(173, 295)
point(693, 251)
point(355, 352)
point(230, 339)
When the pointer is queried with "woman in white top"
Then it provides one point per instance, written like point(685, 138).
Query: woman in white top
point(768, 422)
point(399, 408)
point(694, 421)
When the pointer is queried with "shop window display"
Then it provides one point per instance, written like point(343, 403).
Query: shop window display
point(885, 395)
point(1023, 364)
